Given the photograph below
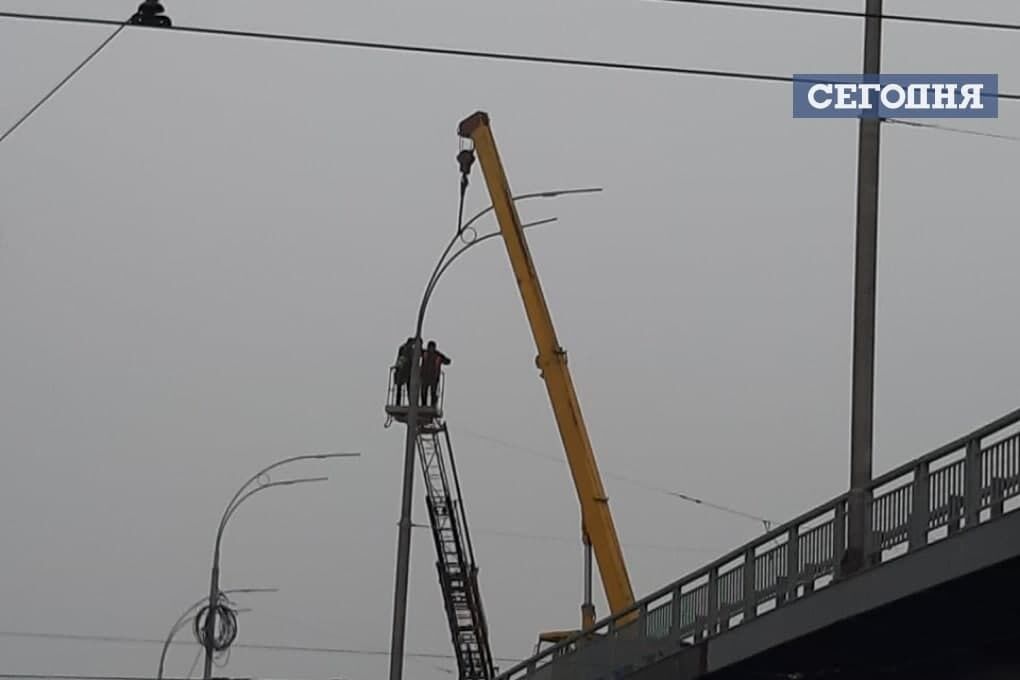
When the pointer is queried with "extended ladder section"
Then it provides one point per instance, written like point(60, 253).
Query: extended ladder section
point(458, 574)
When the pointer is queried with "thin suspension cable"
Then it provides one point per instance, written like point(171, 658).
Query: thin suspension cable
point(573, 541)
point(820, 11)
point(956, 130)
point(630, 480)
point(63, 82)
point(58, 676)
point(731, 4)
point(66, 676)
point(122, 639)
point(454, 52)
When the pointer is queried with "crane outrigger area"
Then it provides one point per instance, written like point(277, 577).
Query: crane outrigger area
point(598, 530)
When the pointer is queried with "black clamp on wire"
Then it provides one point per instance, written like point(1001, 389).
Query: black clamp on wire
point(151, 13)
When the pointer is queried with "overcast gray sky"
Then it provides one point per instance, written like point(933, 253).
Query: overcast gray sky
point(210, 249)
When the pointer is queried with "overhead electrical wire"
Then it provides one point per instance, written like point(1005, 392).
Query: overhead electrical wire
point(647, 486)
point(453, 52)
point(563, 539)
point(125, 639)
point(955, 130)
point(726, 4)
point(855, 14)
point(68, 676)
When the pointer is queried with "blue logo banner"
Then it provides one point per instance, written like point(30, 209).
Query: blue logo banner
point(926, 95)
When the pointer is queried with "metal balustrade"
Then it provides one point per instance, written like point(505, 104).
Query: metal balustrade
point(958, 486)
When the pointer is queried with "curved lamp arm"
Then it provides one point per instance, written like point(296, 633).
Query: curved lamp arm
point(453, 258)
point(535, 194)
point(441, 265)
point(279, 463)
point(251, 492)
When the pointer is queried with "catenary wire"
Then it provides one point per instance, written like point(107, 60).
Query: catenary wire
point(955, 130)
point(563, 539)
point(125, 639)
point(69, 676)
point(726, 4)
point(855, 14)
point(629, 480)
point(64, 81)
point(455, 52)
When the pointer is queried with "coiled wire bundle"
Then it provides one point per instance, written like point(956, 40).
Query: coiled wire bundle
point(226, 626)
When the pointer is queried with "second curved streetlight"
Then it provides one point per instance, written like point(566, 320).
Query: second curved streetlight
point(261, 482)
point(414, 386)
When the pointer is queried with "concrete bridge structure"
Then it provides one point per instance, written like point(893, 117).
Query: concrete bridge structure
point(938, 599)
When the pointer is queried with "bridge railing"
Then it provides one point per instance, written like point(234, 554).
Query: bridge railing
point(960, 485)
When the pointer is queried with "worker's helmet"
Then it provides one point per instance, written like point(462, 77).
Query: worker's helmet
point(432, 344)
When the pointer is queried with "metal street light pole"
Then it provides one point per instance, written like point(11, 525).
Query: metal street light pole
point(865, 278)
point(414, 387)
point(244, 493)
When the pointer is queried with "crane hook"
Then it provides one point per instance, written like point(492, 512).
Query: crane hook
point(466, 158)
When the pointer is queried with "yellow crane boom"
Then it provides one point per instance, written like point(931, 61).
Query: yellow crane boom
point(597, 521)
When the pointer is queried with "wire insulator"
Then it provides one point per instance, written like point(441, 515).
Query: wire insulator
point(151, 13)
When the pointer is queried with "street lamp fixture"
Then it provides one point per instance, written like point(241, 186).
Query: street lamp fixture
point(260, 481)
point(412, 412)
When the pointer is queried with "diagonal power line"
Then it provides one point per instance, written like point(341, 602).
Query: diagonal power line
point(630, 480)
point(64, 81)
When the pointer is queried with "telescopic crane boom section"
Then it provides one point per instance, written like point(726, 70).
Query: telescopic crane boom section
point(597, 521)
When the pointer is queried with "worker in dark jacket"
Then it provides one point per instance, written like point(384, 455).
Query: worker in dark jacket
point(402, 376)
point(432, 361)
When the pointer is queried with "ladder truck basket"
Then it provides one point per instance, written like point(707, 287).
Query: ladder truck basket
point(398, 408)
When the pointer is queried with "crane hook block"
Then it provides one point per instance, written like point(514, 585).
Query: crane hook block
point(466, 158)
